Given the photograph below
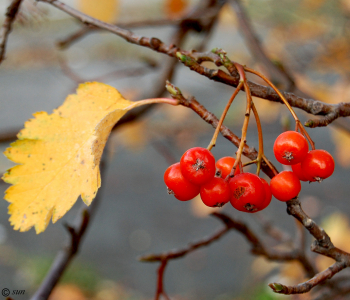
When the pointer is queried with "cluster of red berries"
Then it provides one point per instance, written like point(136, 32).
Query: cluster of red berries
point(291, 148)
point(197, 173)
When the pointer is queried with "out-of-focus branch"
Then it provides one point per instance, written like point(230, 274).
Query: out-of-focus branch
point(178, 253)
point(174, 254)
point(124, 73)
point(65, 256)
point(322, 245)
point(271, 230)
point(185, 22)
point(258, 248)
point(256, 48)
point(6, 28)
point(329, 112)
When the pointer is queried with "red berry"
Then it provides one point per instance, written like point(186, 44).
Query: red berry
point(318, 165)
point(216, 192)
point(268, 194)
point(224, 166)
point(198, 165)
point(299, 172)
point(247, 192)
point(285, 186)
point(178, 185)
point(290, 148)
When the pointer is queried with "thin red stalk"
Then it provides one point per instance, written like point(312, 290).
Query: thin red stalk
point(217, 130)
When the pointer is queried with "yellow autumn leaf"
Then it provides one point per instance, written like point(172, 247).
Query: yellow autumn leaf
point(58, 156)
point(104, 10)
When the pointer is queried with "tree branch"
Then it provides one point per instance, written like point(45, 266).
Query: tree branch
point(329, 112)
point(308, 285)
point(6, 28)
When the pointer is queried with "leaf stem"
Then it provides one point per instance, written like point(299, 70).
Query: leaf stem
point(152, 101)
point(217, 129)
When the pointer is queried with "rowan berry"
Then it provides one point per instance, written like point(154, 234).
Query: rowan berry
point(198, 165)
point(290, 148)
point(318, 165)
point(285, 186)
point(216, 192)
point(224, 166)
point(299, 172)
point(247, 192)
point(178, 185)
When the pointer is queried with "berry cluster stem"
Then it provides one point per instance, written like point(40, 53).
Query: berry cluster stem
point(246, 118)
point(261, 140)
point(297, 121)
point(217, 130)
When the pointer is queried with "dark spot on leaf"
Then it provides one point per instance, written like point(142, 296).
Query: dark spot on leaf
point(82, 162)
point(29, 155)
point(50, 158)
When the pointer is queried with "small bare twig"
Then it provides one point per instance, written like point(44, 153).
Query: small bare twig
point(258, 248)
point(124, 73)
point(308, 285)
point(6, 28)
point(197, 17)
point(174, 254)
point(160, 285)
point(257, 49)
point(271, 230)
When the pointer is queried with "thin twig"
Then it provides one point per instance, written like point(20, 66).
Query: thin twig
point(257, 49)
point(6, 28)
point(197, 17)
point(308, 285)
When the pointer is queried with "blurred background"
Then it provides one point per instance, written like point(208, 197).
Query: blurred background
point(307, 39)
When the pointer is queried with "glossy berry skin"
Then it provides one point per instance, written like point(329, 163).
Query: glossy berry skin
point(247, 192)
point(285, 186)
point(268, 194)
point(178, 185)
point(299, 172)
point(198, 165)
point(216, 192)
point(224, 166)
point(318, 165)
point(290, 148)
